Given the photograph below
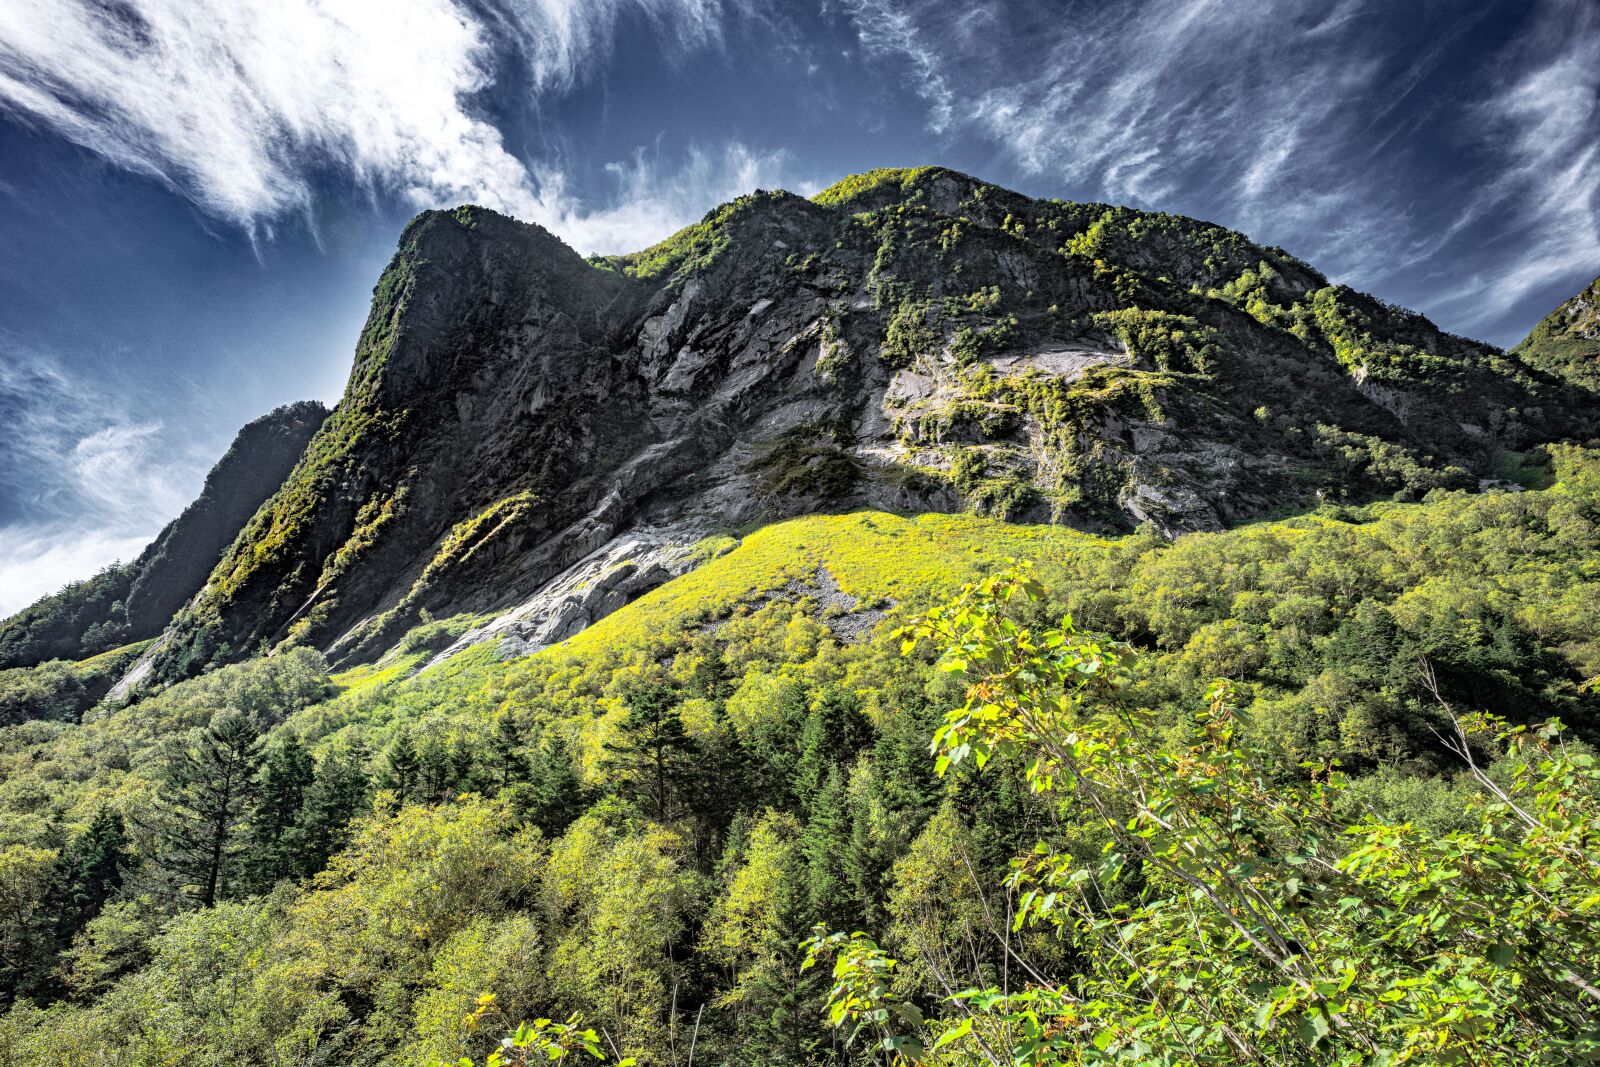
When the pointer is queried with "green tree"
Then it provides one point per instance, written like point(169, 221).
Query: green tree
point(553, 795)
point(87, 873)
point(750, 930)
point(650, 758)
point(824, 844)
point(271, 852)
point(1231, 917)
point(508, 752)
point(337, 793)
point(25, 873)
point(401, 768)
point(205, 793)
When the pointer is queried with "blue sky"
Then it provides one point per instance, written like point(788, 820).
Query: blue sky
point(196, 197)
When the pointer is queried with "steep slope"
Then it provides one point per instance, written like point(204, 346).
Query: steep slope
point(133, 601)
point(1566, 342)
point(530, 435)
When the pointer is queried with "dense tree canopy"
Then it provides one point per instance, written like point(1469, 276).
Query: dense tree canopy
point(639, 828)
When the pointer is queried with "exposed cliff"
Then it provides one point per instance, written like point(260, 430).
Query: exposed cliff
point(908, 340)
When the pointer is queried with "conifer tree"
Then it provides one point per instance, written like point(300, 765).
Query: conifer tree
point(435, 766)
point(553, 795)
point(508, 752)
point(270, 850)
point(206, 792)
point(834, 730)
point(650, 756)
point(336, 794)
point(824, 845)
point(401, 768)
point(88, 872)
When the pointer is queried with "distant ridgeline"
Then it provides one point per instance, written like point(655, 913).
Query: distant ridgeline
point(556, 670)
point(913, 340)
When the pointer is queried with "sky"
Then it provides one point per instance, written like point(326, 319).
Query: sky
point(196, 196)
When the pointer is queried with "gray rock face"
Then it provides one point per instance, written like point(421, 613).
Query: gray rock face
point(619, 572)
point(538, 438)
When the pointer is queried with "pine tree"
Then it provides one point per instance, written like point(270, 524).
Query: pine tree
point(723, 785)
point(508, 752)
point(337, 792)
point(650, 757)
point(834, 731)
point(553, 796)
point(401, 768)
point(88, 872)
point(206, 791)
point(824, 845)
point(270, 852)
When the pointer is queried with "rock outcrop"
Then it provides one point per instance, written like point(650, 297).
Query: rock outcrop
point(534, 438)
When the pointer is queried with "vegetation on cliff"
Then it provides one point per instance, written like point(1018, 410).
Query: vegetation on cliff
point(641, 826)
point(134, 601)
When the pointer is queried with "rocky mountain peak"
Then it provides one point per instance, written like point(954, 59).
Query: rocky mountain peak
point(534, 438)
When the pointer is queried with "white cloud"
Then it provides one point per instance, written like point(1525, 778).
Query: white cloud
point(654, 201)
point(36, 561)
point(82, 482)
point(1284, 118)
point(237, 105)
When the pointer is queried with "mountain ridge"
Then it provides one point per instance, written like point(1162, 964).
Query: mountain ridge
point(134, 601)
point(533, 439)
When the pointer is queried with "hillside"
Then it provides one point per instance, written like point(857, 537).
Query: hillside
point(744, 646)
point(519, 419)
point(1566, 342)
point(134, 601)
point(513, 817)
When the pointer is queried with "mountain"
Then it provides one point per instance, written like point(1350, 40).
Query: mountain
point(134, 601)
point(604, 654)
point(1567, 341)
point(915, 340)
point(534, 439)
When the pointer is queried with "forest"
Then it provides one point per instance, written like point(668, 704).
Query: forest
point(1317, 789)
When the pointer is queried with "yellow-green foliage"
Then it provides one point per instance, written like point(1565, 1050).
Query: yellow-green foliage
point(694, 247)
point(368, 675)
point(1171, 342)
point(810, 793)
point(467, 536)
point(847, 190)
point(379, 510)
point(62, 690)
point(874, 556)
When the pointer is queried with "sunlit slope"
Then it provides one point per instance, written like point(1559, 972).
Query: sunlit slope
point(874, 557)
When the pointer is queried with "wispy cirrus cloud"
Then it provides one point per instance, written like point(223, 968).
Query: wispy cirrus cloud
point(241, 106)
point(83, 481)
point(1251, 112)
point(1541, 125)
point(1317, 124)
